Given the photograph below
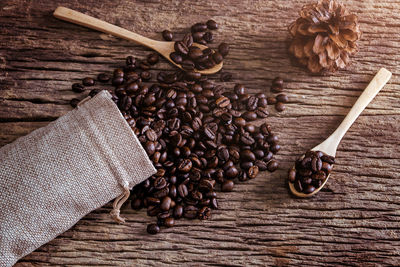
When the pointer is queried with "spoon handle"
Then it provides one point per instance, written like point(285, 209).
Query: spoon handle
point(378, 82)
point(76, 17)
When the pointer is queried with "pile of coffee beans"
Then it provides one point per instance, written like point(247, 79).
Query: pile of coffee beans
point(310, 171)
point(198, 134)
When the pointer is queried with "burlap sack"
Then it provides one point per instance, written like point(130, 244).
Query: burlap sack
point(54, 176)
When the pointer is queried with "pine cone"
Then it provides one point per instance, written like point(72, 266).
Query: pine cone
point(324, 36)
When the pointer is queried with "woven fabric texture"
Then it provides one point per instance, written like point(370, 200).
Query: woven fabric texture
point(57, 174)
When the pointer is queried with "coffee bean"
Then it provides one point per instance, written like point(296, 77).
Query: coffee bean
point(78, 88)
point(190, 212)
point(182, 190)
point(252, 103)
point(223, 102)
point(272, 166)
point(212, 25)
point(125, 103)
point(279, 106)
point(103, 77)
point(328, 159)
point(250, 115)
point(169, 222)
point(195, 52)
point(175, 57)
point(204, 213)
point(167, 35)
point(199, 27)
point(178, 211)
point(262, 112)
point(227, 186)
point(217, 57)
point(197, 36)
point(88, 81)
point(153, 58)
point(252, 172)
point(181, 48)
point(277, 85)
point(223, 48)
point(282, 98)
point(153, 228)
point(208, 37)
point(165, 203)
point(74, 102)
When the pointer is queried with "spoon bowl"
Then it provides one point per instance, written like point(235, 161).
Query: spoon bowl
point(163, 48)
point(329, 146)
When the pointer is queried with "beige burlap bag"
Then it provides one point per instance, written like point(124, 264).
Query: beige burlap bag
point(54, 176)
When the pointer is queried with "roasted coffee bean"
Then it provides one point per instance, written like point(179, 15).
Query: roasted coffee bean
point(272, 165)
point(74, 102)
point(227, 186)
point(225, 76)
point(262, 112)
point(103, 77)
point(282, 98)
point(78, 88)
point(252, 103)
point(130, 61)
point(328, 159)
point(169, 222)
point(182, 190)
point(199, 27)
point(181, 48)
point(166, 203)
point(223, 48)
point(253, 172)
point(177, 58)
point(271, 100)
point(218, 58)
point(153, 58)
point(279, 106)
point(190, 212)
point(204, 213)
point(167, 35)
point(153, 228)
point(212, 25)
point(277, 85)
point(88, 81)
point(250, 116)
point(197, 36)
point(195, 52)
point(326, 167)
point(208, 37)
point(125, 103)
point(187, 65)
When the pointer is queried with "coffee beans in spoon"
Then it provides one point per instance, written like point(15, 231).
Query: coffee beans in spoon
point(310, 171)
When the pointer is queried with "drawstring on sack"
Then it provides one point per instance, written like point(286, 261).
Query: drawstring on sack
point(118, 202)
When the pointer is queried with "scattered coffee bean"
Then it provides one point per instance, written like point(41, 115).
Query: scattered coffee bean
point(74, 102)
point(153, 229)
point(279, 106)
point(167, 35)
point(212, 25)
point(88, 81)
point(152, 58)
point(226, 77)
point(103, 77)
point(282, 98)
point(277, 85)
point(78, 88)
point(227, 186)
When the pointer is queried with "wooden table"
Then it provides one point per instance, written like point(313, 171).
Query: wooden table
point(353, 221)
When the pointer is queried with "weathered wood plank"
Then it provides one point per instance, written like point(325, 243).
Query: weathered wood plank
point(354, 221)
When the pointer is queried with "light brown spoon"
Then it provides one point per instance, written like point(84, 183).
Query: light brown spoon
point(164, 48)
point(329, 146)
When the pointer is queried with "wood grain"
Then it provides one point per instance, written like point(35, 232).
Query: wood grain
point(354, 221)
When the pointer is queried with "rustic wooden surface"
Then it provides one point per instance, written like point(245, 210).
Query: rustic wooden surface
point(353, 221)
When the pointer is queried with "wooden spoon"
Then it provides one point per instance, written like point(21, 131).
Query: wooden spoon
point(330, 145)
point(164, 48)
